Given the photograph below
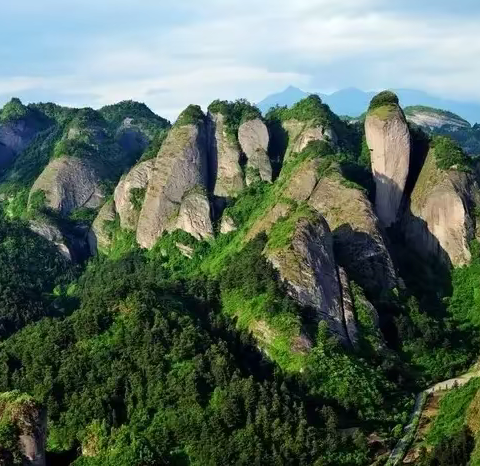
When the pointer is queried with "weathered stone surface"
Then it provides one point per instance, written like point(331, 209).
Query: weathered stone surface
point(31, 421)
point(98, 236)
point(307, 266)
point(195, 216)
point(226, 172)
point(254, 138)
point(358, 237)
point(187, 251)
point(388, 138)
point(301, 133)
point(348, 308)
point(137, 178)
point(180, 166)
point(265, 223)
point(303, 181)
point(52, 233)
point(439, 223)
point(227, 225)
point(70, 183)
point(431, 119)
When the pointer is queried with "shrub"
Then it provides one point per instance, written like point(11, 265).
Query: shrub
point(192, 115)
point(383, 98)
point(449, 154)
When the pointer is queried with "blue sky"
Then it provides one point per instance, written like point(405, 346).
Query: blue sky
point(170, 54)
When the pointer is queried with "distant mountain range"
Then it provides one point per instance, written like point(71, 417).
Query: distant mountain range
point(354, 102)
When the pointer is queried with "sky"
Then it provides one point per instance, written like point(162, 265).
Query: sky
point(170, 54)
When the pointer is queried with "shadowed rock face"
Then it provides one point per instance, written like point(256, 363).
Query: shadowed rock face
point(180, 166)
point(131, 138)
point(225, 170)
point(358, 237)
point(14, 138)
point(98, 236)
point(70, 183)
point(137, 178)
point(195, 217)
point(307, 266)
point(254, 139)
point(53, 234)
point(388, 138)
point(439, 223)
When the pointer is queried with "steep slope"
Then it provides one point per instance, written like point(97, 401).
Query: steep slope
point(440, 223)
point(180, 166)
point(388, 139)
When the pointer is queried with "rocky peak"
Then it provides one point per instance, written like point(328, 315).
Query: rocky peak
point(388, 139)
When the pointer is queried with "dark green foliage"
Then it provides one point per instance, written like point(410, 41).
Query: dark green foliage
point(383, 98)
point(30, 268)
point(54, 112)
point(145, 370)
point(38, 201)
point(137, 195)
point(140, 114)
point(449, 154)
point(192, 115)
point(155, 145)
point(72, 148)
point(83, 215)
point(13, 111)
point(10, 454)
point(88, 118)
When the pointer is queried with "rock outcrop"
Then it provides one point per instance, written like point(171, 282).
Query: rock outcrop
point(227, 225)
point(254, 139)
point(358, 237)
point(301, 133)
point(31, 422)
point(99, 237)
point(70, 183)
point(432, 119)
point(137, 179)
point(301, 184)
point(195, 216)
point(439, 223)
point(52, 233)
point(226, 172)
point(348, 308)
point(307, 267)
point(388, 139)
point(15, 137)
point(180, 166)
point(131, 138)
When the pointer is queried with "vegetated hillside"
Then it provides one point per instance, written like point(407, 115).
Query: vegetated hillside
point(248, 297)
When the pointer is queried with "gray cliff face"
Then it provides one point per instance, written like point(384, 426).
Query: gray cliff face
point(348, 308)
point(137, 179)
point(99, 237)
point(52, 233)
point(359, 241)
point(14, 138)
point(439, 223)
point(388, 138)
point(307, 267)
point(254, 139)
point(180, 166)
point(195, 216)
point(70, 183)
point(225, 170)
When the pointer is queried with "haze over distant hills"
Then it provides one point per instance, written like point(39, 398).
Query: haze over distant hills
point(354, 102)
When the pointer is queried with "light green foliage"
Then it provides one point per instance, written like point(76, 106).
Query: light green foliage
point(155, 145)
point(83, 215)
point(137, 196)
point(453, 410)
point(38, 201)
point(73, 148)
point(192, 115)
point(449, 154)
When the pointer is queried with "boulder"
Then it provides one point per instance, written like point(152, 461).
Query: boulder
point(195, 217)
point(99, 237)
point(70, 183)
point(358, 237)
point(308, 269)
point(388, 139)
point(136, 179)
point(301, 184)
point(439, 223)
point(253, 138)
point(48, 230)
point(226, 172)
point(227, 225)
point(180, 166)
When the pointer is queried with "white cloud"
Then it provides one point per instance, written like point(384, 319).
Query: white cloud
point(228, 49)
